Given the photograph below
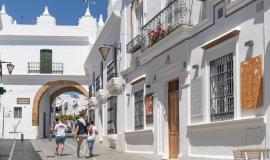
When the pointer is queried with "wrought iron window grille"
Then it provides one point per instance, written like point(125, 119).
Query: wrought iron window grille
point(112, 115)
point(98, 83)
point(139, 110)
point(110, 71)
point(221, 88)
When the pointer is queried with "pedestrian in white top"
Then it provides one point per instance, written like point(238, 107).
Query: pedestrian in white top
point(92, 132)
point(60, 136)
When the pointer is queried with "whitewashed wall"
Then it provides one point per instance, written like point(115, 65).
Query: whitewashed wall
point(197, 140)
point(21, 44)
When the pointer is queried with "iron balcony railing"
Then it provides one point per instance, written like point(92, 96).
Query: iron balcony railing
point(110, 71)
point(135, 44)
point(57, 67)
point(98, 83)
point(174, 15)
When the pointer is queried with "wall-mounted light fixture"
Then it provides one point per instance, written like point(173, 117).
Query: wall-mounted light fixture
point(148, 86)
point(105, 49)
point(249, 43)
point(196, 66)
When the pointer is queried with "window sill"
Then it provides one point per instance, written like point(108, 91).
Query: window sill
point(143, 131)
point(241, 123)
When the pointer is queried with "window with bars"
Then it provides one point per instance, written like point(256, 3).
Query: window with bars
point(91, 94)
point(92, 115)
point(139, 115)
point(112, 115)
point(98, 83)
point(110, 71)
point(17, 112)
point(45, 61)
point(221, 88)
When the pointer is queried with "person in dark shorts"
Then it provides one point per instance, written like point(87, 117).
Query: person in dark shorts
point(60, 137)
point(81, 134)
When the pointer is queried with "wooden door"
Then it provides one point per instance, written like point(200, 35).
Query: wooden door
point(173, 119)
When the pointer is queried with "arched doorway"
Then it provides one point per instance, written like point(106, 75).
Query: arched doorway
point(61, 86)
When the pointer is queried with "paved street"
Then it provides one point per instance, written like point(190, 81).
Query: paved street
point(45, 149)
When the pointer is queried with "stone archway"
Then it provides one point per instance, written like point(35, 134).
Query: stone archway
point(67, 86)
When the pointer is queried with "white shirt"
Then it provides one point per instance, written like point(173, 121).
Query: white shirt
point(93, 136)
point(60, 129)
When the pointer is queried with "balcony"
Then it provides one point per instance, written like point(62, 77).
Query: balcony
point(175, 14)
point(101, 94)
point(115, 86)
point(134, 44)
point(34, 67)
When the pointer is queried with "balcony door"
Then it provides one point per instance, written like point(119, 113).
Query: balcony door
point(45, 61)
point(173, 119)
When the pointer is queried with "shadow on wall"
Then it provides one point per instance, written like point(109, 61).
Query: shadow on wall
point(140, 138)
point(100, 115)
point(234, 137)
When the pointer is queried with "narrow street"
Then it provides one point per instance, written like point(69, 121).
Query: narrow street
point(43, 149)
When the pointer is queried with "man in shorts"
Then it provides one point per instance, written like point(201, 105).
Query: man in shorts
point(81, 134)
point(60, 137)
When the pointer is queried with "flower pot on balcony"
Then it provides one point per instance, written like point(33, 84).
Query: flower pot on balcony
point(93, 102)
point(101, 96)
point(115, 86)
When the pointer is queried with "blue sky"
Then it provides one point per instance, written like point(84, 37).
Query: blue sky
point(66, 12)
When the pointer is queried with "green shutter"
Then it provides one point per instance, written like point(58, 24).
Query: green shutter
point(45, 61)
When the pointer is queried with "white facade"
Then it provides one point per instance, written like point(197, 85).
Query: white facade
point(21, 45)
point(75, 104)
point(215, 28)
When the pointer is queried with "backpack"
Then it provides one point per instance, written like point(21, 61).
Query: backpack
point(82, 128)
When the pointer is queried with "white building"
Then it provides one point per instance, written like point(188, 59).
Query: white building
point(48, 61)
point(195, 84)
point(70, 104)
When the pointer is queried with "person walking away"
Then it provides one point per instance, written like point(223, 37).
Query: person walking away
point(92, 132)
point(60, 137)
point(81, 134)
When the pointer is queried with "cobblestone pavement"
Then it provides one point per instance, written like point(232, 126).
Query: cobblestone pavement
point(18, 150)
point(5, 148)
point(43, 149)
point(46, 150)
point(24, 150)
